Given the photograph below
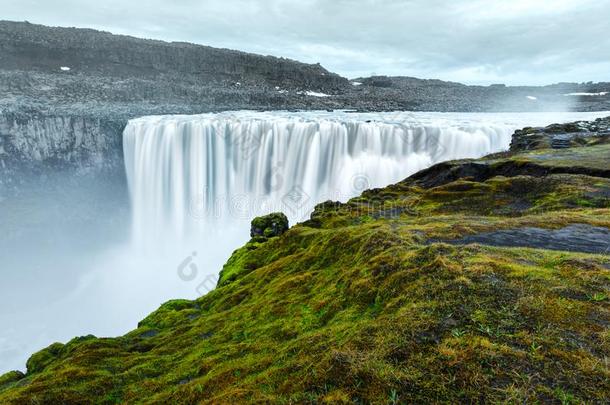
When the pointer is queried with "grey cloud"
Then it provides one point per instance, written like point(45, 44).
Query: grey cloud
point(474, 41)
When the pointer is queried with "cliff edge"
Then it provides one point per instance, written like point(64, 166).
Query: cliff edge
point(473, 281)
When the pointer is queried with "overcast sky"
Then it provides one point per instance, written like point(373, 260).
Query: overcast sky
point(471, 41)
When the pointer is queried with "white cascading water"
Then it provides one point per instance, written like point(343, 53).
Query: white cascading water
point(189, 172)
point(197, 181)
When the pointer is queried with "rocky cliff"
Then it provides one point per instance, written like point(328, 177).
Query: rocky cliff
point(67, 93)
point(101, 54)
point(33, 144)
point(51, 139)
point(560, 136)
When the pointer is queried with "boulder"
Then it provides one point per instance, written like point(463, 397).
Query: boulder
point(269, 226)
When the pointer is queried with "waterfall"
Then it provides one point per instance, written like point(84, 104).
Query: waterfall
point(189, 172)
point(195, 184)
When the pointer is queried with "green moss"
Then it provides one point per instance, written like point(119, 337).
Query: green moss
point(361, 305)
point(43, 358)
point(269, 225)
point(238, 264)
point(169, 314)
point(9, 379)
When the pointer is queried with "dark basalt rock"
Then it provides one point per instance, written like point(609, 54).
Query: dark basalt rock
point(560, 136)
point(269, 226)
point(445, 173)
point(573, 238)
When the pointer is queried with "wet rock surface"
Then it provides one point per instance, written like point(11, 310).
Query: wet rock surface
point(573, 238)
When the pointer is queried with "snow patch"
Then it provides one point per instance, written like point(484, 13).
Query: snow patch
point(314, 94)
point(603, 93)
point(356, 84)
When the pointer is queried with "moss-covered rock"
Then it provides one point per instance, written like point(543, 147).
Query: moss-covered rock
point(10, 378)
point(269, 226)
point(38, 361)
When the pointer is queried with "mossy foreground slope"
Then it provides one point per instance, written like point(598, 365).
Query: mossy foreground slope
point(385, 299)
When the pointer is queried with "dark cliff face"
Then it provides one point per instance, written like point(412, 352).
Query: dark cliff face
point(59, 138)
point(101, 71)
point(34, 144)
point(84, 51)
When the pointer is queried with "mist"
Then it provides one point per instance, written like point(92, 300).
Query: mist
point(72, 269)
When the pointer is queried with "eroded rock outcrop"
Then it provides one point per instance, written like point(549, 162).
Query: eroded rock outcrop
point(559, 136)
point(269, 226)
